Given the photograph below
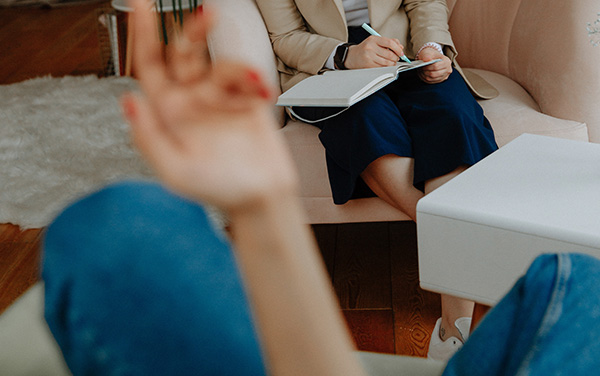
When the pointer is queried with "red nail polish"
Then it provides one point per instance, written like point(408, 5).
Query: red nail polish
point(264, 93)
point(252, 76)
point(128, 107)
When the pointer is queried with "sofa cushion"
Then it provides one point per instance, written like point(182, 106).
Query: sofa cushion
point(241, 35)
point(514, 112)
point(309, 155)
point(28, 347)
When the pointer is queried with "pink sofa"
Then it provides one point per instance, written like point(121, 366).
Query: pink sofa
point(537, 55)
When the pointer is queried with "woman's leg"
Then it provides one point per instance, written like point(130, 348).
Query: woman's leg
point(391, 178)
point(138, 282)
point(453, 308)
point(546, 325)
point(449, 133)
point(370, 141)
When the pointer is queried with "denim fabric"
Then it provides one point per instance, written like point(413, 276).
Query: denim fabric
point(548, 324)
point(138, 283)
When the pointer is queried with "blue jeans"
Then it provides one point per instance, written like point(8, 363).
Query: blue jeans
point(548, 324)
point(138, 283)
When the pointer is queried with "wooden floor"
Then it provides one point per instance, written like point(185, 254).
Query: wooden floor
point(374, 272)
point(373, 265)
point(37, 42)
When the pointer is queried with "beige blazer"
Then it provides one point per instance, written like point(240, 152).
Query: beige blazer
point(305, 32)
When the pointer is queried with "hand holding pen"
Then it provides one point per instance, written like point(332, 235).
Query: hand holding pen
point(430, 74)
point(373, 32)
point(373, 52)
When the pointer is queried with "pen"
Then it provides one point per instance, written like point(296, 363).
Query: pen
point(373, 32)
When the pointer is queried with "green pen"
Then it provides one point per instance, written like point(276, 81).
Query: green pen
point(373, 32)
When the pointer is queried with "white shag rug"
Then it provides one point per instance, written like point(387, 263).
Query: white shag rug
point(61, 138)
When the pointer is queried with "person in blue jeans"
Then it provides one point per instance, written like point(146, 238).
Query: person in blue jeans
point(139, 282)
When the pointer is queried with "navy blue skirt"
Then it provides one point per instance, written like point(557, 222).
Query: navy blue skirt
point(440, 126)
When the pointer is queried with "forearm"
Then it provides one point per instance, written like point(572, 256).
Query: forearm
point(429, 22)
point(301, 326)
point(209, 132)
point(295, 45)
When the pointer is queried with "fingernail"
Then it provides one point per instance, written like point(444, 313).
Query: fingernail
point(264, 93)
point(252, 76)
point(128, 107)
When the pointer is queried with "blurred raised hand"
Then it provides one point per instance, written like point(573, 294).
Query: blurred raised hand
point(207, 129)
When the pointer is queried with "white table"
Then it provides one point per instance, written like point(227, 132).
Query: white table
point(479, 232)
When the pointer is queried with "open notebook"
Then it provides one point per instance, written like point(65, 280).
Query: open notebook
point(343, 88)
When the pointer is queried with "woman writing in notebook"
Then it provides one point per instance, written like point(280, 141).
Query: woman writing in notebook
point(405, 140)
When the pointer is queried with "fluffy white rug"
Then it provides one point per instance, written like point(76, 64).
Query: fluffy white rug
point(61, 138)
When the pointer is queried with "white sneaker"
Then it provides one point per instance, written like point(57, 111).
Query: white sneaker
point(443, 350)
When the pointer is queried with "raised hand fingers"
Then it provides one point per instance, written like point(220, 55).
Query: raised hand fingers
point(189, 59)
point(148, 62)
point(154, 141)
point(236, 87)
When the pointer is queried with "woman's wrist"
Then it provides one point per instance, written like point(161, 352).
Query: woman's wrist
point(266, 207)
point(434, 45)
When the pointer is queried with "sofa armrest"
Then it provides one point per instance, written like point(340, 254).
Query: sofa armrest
point(543, 47)
point(28, 347)
point(240, 34)
point(552, 58)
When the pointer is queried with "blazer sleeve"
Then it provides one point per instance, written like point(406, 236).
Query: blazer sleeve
point(293, 43)
point(429, 23)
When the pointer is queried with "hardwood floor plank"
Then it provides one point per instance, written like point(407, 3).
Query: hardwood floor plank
point(36, 31)
point(415, 310)
point(57, 56)
point(8, 232)
point(10, 22)
point(372, 329)
point(362, 271)
point(46, 41)
point(19, 266)
point(326, 235)
point(91, 61)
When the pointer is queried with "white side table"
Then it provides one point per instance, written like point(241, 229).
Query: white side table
point(479, 233)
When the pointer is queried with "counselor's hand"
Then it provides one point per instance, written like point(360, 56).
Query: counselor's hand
point(434, 73)
point(374, 52)
point(207, 129)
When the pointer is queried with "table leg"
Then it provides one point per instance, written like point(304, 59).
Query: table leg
point(129, 45)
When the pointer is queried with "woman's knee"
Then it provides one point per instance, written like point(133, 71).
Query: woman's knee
point(112, 204)
point(122, 218)
point(391, 178)
point(113, 262)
